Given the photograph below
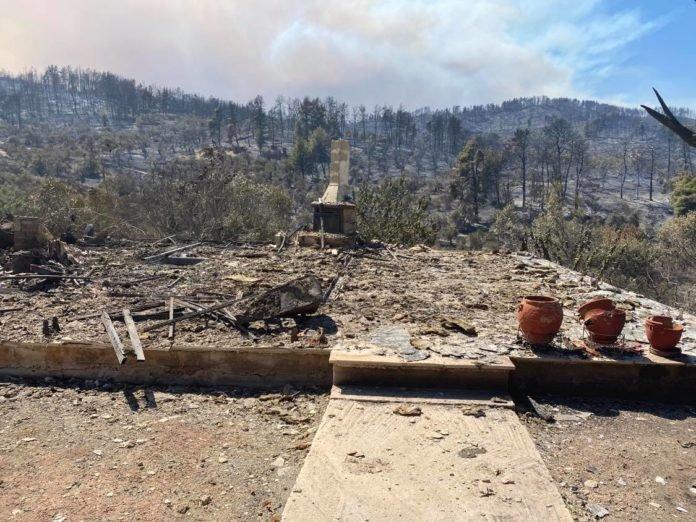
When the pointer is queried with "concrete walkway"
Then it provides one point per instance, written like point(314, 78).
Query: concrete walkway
point(464, 457)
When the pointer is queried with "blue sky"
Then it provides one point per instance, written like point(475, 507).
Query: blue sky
point(414, 52)
point(664, 57)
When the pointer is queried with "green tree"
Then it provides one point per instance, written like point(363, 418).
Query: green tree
point(684, 195)
point(258, 121)
point(391, 212)
point(320, 147)
point(301, 158)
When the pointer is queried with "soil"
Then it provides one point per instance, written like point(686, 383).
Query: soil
point(94, 451)
point(636, 460)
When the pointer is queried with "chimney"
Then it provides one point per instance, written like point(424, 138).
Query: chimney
point(334, 213)
point(338, 189)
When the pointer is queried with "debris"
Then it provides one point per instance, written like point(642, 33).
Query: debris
point(660, 480)
point(190, 315)
point(299, 296)
point(542, 411)
point(239, 278)
point(171, 318)
point(113, 337)
point(485, 491)
point(133, 282)
point(452, 323)
point(416, 355)
point(318, 339)
point(473, 411)
point(157, 258)
point(29, 233)
point(471, 451)
point(408, 410)
point(41, 276)
point(288, 237)
point(577, 416)
point(592, 484)
point(182, 261)
point(206, 499)
point(133, 334)
point(597, 511)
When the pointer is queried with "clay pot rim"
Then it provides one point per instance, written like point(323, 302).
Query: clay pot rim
point(596, 303)
point(676, 327)
point(663, 320)
point(539, 299)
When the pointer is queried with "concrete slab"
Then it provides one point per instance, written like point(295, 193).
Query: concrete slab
point(369, 463)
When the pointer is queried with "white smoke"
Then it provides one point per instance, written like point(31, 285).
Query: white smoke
point(415, 52)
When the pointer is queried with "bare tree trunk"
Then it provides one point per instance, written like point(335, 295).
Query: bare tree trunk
point(625, 171)
point(652, 171)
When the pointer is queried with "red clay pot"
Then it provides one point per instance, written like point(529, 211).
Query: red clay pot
point(601, 303)
point(604, 326)
point(539, 318)
point(663, 334)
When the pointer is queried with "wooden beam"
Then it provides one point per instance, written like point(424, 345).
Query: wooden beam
point(190, 315)
point(116, 314)
point(44, 276)
point(113, 337)
point(171, 318)
point(162, 255)
point(133, 334)
point(182, 261)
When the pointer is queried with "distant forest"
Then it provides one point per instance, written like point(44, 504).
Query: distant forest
point(391, 139)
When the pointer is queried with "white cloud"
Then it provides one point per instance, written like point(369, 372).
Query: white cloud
point(415, 52)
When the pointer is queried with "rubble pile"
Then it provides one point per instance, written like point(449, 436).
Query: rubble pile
point(31, 256)
point(414, 303)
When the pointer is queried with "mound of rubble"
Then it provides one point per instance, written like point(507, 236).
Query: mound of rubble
point(413, 303)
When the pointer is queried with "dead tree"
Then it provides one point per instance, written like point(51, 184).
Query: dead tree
point(670, 121)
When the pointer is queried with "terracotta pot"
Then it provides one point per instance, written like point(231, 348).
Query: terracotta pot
point(601, 303)
point(604, 326)
point(664, 320)
point(539, 318)
point(663, 335)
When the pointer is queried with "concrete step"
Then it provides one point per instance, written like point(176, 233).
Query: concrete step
point(383, 370)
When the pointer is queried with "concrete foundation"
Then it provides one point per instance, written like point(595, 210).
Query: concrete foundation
point(660, 379)
point(181, 365)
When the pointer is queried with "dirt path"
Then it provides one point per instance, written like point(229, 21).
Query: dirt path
point(637, 461)
point(90, 452)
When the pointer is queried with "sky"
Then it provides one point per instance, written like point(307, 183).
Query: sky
point(434, 53)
